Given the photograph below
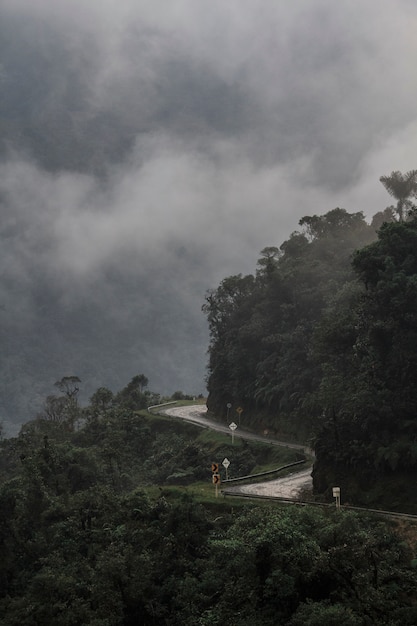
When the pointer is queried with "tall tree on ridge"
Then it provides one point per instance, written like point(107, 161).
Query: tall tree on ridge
point(402, 187)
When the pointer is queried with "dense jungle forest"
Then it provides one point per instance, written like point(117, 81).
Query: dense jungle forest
point(108, 518)
point(321, 344)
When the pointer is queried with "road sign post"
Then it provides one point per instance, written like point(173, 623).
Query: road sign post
point(216, 483)
point(226, 464)
point(216, 477)
point(239, 411)
point(233, 427)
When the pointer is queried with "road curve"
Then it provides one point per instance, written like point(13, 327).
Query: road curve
point(292, 486)
point(287, 487)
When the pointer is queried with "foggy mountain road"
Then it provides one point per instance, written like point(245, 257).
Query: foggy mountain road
point(287, 487)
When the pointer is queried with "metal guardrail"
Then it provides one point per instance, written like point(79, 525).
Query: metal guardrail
point(156, 406)
point(267, 473)
point(392, 514)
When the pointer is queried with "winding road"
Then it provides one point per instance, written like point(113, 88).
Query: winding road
point(288, 487)
point(291, 486)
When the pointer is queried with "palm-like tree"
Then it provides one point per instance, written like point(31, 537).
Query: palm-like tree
point(402, 187)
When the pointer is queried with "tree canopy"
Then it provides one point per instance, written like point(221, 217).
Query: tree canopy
point(262, 326)
point(321, 344)
point(402, 187)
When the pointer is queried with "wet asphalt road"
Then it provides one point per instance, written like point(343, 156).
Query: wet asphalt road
point(288, 487)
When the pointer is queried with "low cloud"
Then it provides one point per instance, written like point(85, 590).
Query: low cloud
point(149, 151)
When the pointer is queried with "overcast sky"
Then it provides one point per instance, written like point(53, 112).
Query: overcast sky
point(242, 117)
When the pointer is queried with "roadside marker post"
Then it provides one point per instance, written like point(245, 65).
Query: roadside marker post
point(336, 495)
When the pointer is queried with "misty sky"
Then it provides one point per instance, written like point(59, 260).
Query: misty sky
point(152, 148)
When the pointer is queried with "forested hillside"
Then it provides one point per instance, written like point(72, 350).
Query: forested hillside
point(321, 344)
point(106, 520)
point(262, 325)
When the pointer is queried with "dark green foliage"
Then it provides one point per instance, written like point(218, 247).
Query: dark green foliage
point(83, 540)
point(63, 409)
point(101, 557)
point(134, 396)
point(262, 327)
point(368, 390)
point(179, 395)
point(402, 187)
point(172, 459)
point(275, 563)
point(322, 343)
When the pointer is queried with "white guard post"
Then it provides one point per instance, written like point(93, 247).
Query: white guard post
point(336, 495)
